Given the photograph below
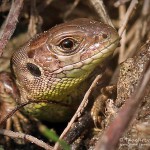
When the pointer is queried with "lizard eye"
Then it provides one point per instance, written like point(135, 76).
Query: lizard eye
point(34, 70)
point(68, 44)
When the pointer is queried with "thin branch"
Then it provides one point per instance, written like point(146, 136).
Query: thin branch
point(9, 26)
point(43, 5)
point(35, 20)
point(120, 2)
point(3, 120)
point(127, 16)
point(79, 110)
point(101, 11)
point(132, 30)
point(26, 137)
point(122, 10)
point(73, 6)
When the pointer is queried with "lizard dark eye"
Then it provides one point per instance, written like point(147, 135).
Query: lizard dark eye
point(67, 44)
point(34, 70)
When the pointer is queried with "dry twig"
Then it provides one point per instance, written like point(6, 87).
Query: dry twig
point(101, 11)
point(10, 24)
point(120, 2)
point(35, 20)
point(76, 2)
point(122, 10)
point(26, 137)
point(127, 16)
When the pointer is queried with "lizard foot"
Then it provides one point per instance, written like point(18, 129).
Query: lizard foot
point(98, 109)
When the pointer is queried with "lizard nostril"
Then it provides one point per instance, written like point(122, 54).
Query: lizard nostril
point(104, 36)
point(34, 70)
point(31, 53)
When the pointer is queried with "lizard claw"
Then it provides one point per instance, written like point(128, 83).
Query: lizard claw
point(98, 109)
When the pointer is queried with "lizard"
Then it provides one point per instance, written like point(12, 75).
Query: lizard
point(55, 65)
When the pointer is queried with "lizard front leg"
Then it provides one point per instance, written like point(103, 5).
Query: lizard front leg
point(98, 109)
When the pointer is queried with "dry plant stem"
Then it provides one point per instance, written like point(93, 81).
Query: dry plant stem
point(132, 31)
point(127, 16)
point(101, 11)
point(142, 20)
point(26, 137)
point(134, 44)
point(122, 10)
point(3, 120)
point(8, 124)
point(146, 6)
point(10, 24)
point(33, 16)
point(76, 2)
point(22, 117)
point(120, 2)
point(4, 6)
point(79, 110)
point(47, 2)
point(111, 137)
point(35, 22)
point(145, 18)
point(43, 5)
point(8, 127)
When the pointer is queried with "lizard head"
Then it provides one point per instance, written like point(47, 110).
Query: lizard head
point(53, 63)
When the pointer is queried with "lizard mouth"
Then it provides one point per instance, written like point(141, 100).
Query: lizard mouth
point(47, 102)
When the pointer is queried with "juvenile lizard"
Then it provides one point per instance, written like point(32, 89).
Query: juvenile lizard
point(54, 65)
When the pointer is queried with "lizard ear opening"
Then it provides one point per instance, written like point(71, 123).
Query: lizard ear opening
point(33, 69)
